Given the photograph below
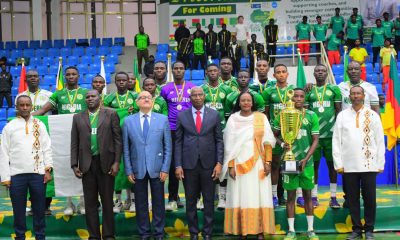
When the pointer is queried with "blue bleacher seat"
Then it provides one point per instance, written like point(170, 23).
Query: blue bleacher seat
point(83, 68)
point(119, 41)
point(112, 58)
point(28, 68)
point(11, 112)
point(83, 40)
point(198, 82)
point(14, 91)
point(3, 113)
point(280, 50)
point(45, 87)
point(28, 53)
point(187, 75)
point(94, 68)
point(65, 52)
point(1, 45)
point(78, 51)
point(47, 44)
point(197, 75)
point(16, 53)
point(11, 45)
point(34, 61)
point(53, 69)
point(215, 61)
point(58, 43)
point(47, 61)
point(34, 44)
point(23, 44)
point(49, 80)
point(4, 53)
point(379, 88)
point(117, 50)
point(2, 124)
point(103, 50)
point(41, 53)
point(70, 43)
point(337, 69)
point(161, 56)
point(109, 68)
point(106, 42)
point(86, 60)
point(338, 78)
point(87, 86)
point(15, 71)
point(42, 70)
point(53, 52)
point(162, 48)
point(95, 42)
point(243, 63)
point(88, 78)
point(91, 51)
point(72, 60)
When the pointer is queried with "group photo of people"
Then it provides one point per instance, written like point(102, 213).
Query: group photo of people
point(240, 152)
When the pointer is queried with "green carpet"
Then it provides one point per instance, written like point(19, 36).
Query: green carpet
point(329, 223)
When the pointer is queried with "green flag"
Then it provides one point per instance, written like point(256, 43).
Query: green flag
point(137, 75)
point(301, 76)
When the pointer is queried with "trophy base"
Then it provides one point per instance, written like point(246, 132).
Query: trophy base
point(291, 167)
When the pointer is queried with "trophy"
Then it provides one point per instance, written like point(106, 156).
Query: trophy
point(290, 120)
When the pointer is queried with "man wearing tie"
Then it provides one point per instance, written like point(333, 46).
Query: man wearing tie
point(147, 158)
point(96, 148)
point(199, 153)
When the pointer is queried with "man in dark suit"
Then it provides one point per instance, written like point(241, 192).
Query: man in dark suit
point(199, 153)
point(147, 157)
point(96, 148)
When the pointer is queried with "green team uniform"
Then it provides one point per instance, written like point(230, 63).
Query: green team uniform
point(159, 106)
point(337, 24)
point(158, 89)
point(215, 98)
point(378, 36)
point(326, 117)
point(260, 87)
point(303, 31)
point(320, 32)
point(275, 98)
point(232, 97)
point(232, 83)
point(359, 20)
point(388, 26)
point(397, 27)
point(333, 43)
point(114, 100)
point(353, 31)
point(301, 145)
point(69, 101)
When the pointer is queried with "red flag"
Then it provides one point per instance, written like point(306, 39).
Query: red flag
point(22, 80)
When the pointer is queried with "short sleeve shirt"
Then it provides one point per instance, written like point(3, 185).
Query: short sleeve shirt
point(353, 30)
point(320, 32)
point(378, 36)
point(358, 55)
point(232, 98)
point(215, 98)
point(303, 31)
point(39, 98)
point(337, 24)
point(69, 101)
point(275, 98)
point(385, 54)
point(333, 43)
point(117, 101)
point(388, 26)
point(371, 95)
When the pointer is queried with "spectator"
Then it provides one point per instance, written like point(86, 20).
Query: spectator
point(149, 67)
point(334, 43)
point(319, 31)
point(198, 51)
point(388, 25)
point(360, 22)
point(385, 55)
point(235, 54)
point(181, 32)
point(202, 33)
point(352, 32)
point(337, 22)
point(242, 33)
point(211, 42)
point(5, 83)
point(271, 37)
point(359, 54)
point(303, 31)
point(378, 39)
point(224, 37)
point(142, 42)
point(397, 33)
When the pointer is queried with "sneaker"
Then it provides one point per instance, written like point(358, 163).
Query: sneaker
point(275, 202)
point(312, 236)
point(282, 201)
point(126, 205)
point(29, 211)
point(334, 203)
point(180, 204)
point(132, 207)
point(48, 212)
point(117, 206)
point(300, 202)
point(221, 202)
point(200, 205)
point(150, 205)
point(81, 209)
point(69, 210)
point(290, 236)
point(354, 235)
point(369, 235)
point(315, 202)
point(171, 206)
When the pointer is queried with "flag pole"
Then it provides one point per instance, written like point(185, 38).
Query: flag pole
point(58, 72)
point(169, 68)
point(255, 75)
point(396, 165)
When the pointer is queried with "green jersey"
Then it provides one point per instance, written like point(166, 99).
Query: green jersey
point(216, 99)
point(275, 98)
point(321, 100)
point(261, 87)
point(159, 106)
point(337, 24)
point(359, 20)
point(69, 101)
point(232, 97)
point(198, 46)
point(388, 26)
point(303, 31)
point(320, 32)
point(115, 100)
point(397, 27)
point(353, 31)
point(378, 36)
point(94, 146)
point(303, 142)
point(232, 83)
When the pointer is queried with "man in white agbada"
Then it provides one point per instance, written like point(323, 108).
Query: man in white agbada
point(248, 141)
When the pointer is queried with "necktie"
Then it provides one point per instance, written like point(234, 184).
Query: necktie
point(145, 126)
point(378, 8)
point(198, 121)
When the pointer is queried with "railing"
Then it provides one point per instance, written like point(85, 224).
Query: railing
point(294, 55)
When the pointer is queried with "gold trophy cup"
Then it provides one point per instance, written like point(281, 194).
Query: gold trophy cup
point(290, 121)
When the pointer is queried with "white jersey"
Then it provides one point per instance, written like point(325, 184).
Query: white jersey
point(39, 98)
point(371, 95)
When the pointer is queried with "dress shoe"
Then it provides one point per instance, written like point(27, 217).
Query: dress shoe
point(369, 235)
point(207, 237)
point(354, 235)
point(194, 237)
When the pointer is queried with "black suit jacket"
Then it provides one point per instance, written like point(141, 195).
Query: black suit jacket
point(108, 138)
point(191, 146)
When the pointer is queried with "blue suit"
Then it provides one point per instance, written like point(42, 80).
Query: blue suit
point(145, 159)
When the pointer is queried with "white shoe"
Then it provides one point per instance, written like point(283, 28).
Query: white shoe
point(221, 198)
point(69, 210)
point(200, 205)
point(117, 206)
point(171, 206)
point(132, 208)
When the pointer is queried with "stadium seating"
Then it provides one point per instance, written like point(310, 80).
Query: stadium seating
point(197, 75)
point(162, 48)
point(47, 44)
point(53, 69)
point(28, 53)
point(11, 112)
point(78, 51)
point(1, 45)
point(103, 50)
point(49, 80)
point(119, 41)
point(11, 45)
point(41, 53)
point(86, 60)
point(106, 42)
point(73, 60)
point(83, 68)
point(58, 43)
point(94, 68)
point(91, 51)
point(95, 42)
point(53, 52)
point(70, 43)
point(187, 75)
point(88, 78)
point(42, 70)
point(3, 113)
point(23, 44)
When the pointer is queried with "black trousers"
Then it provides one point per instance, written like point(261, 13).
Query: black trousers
point(212, 52)
point(185, 58)
point(223, 52)
point(397, 45)
point(6, 95)
point(375, 53)
point(235, 66)
point(140, 55)
point(366, 181)
point(199, 181)
point(271, 50)
point(96, 183)
point(173, 183)
point(197, 59)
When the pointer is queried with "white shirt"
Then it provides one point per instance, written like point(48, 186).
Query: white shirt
point(194, 112)
point(37, 101)
point(241, 32)
point(358, 143)
point(371, 95)
point(142, 118)
point(17, 150)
